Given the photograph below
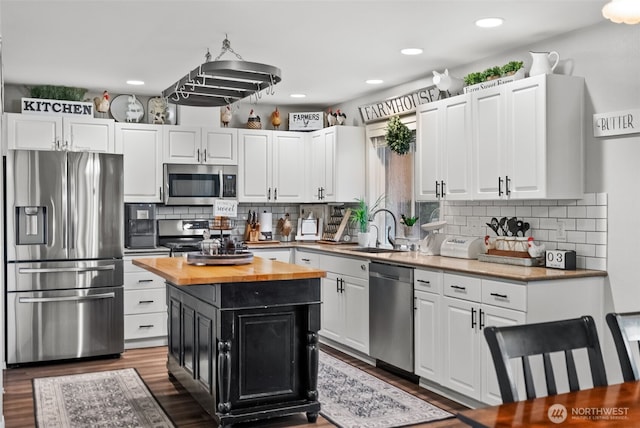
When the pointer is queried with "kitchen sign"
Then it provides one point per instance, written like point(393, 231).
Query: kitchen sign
point(399, 105)
point(308, 121)
point(60, 107)
point(616, 123)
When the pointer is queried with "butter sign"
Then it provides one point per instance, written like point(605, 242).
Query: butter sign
point(616, 123)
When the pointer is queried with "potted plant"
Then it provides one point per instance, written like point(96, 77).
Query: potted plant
point(511, 68)
point(473, 78)
point(398, 136)
point(409, 222)
point(64, 93)
point(492, 73)
point(360, 216)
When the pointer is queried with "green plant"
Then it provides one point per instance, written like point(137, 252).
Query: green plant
point(360, 215)
point(408, 221)
point(65, 93)
point(492, 72)
point(398, 136)
point(473, 78)
point(511, 67)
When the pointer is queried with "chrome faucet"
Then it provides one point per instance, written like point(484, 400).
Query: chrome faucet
point(392, 241)
point(377, 233)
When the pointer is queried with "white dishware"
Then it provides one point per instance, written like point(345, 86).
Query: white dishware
point(541, 62)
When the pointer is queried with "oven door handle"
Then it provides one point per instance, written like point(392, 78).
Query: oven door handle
point(66, 299)
point(62, 270)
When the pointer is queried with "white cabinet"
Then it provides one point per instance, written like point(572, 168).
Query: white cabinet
point(277, 254)
point(345, 302)
point(141, 146)
point(528, 139)
point(271, 166)
point(145, 307)
point(336, 164)
point(44, 132)
point(198, 145)
point(427, 285)
point(307, 258)
point(443, 150)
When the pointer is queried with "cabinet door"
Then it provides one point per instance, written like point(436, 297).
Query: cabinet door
point(498, 317)
point(460, 347)
point(355, 292)
point(89, 134)
point(254, 166)
point(220, 146)
point(332, 308)
point(329, 184)
point(182, 144)
point(317, 167)
point(427, 164)
point(34, 132)
point(288, 167)
point(527, 133)
point(141, 146)
point(456, 148)
point(489, 144)
point(280, 255)
point(427, 335)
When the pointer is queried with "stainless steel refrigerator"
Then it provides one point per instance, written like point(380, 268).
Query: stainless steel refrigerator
point(64, 233)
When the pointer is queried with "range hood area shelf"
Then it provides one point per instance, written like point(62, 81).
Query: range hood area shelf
point(218, 83)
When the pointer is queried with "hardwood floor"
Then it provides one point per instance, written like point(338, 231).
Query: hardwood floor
point(185, 412)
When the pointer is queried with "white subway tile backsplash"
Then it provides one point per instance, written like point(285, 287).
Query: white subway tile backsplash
point(577, 237)
point(601, 225)
point(548, 223)
point(577, 212)
point(539, 212)
point(601, 199)
point(586, 250)
point(555, 211)
point(599, 211)
point(587, 224)
point(597, 238)
point(523, 211)
point(588, 199)
point(508, 211)
point(479, 211)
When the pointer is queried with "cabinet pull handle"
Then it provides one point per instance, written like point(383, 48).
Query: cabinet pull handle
point(337, 285)
point(321, 193)
point(272, 258)
point(198, 154)
point(437, 189)
point(363, 267)
point(473, 318)
point(306, 260)
point(205, 155)
point(457, 287)
point(499, 186)
point(423, 281)
point(415, 301)
point(160, 191)
point(146, 326)
point(506, 185)
point(269, 194)
point(145, 280)
point(275, 194)
point(481, 319)
point(502, 296)
point(442, 191)
point(144, 301)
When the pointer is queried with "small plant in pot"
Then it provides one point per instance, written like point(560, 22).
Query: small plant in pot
point(409, 222)
point(511, 68)
point(360, 217)
point(473, 78)
point(492, 73)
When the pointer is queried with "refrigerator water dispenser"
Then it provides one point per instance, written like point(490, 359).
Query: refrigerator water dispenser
point(31, 225)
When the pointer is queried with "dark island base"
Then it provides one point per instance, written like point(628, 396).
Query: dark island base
point(247, 351)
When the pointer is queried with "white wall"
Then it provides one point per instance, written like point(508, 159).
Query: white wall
point(607, 55)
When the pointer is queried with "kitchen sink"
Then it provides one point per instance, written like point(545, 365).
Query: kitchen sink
point(376, 250)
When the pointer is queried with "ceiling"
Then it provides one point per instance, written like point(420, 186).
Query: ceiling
point(325, 49)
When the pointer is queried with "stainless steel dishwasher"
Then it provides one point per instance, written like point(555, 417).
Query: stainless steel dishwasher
point(391, 315)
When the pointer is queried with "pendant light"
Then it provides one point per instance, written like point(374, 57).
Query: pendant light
point(217, 83)
point(619, 11)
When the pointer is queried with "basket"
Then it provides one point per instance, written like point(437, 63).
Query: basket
point(254, 124)
point(222, 223)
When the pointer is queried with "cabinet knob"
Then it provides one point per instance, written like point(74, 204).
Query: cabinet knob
point(363, 267)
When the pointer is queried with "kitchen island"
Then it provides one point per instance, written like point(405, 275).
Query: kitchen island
point(243, 340)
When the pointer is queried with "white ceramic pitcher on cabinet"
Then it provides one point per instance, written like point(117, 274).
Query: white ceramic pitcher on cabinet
point(541, 62)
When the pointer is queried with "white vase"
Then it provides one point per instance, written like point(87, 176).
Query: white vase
point(363, 239)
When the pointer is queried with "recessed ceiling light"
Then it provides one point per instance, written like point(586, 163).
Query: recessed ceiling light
point(297, 95)
point(411, 51)
point(489, 22)
point(135, 82)
point(374, 81)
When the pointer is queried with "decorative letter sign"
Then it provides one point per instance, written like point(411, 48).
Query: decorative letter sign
point(616, 123)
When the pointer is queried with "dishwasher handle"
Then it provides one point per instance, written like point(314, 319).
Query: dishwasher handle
point(66, 299)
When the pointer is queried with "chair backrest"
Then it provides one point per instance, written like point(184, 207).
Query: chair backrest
point(523, 341)
point(625, 329)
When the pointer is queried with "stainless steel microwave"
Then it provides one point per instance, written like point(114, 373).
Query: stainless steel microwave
point(198, 184)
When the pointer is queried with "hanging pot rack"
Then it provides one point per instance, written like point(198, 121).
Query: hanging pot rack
point(217, 83)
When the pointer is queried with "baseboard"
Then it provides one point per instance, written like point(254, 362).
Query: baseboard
point(145, 343)
point(451, 395)
point(349, 351)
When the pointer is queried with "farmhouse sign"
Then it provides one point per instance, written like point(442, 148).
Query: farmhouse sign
point(399, 105)
point(44, 106)
point(616, 123)
point(306, 121)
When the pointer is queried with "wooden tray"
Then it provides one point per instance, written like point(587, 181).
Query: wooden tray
point(517, 261)
point(505, 253)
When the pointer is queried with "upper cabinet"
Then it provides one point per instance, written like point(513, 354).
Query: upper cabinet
point(528, 139)
point(271, 166)
point(141, 146)
point(198, 145)
point(520, 140)
point(50, 132)
point(336, 169)
point(443, 150)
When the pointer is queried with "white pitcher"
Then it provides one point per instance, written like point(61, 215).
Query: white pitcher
point(541, 62)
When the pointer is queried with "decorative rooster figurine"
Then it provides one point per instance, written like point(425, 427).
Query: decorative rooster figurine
point(284, 226)
point(340, 117)
point(225, 115)
point(535, 250)
point(332, 118)
point(102, 103)
point(275, 118)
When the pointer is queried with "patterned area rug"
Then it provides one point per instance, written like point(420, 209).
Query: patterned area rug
point(116, 398)
point(351, 398)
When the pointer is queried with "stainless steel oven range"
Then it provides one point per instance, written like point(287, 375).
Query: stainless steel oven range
point(181, 236)
point(64, 268)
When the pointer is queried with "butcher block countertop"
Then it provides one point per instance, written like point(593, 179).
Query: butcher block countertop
point(449, 264)
point(177, 271)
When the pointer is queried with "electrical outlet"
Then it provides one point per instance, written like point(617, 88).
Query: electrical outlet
point(561, 231)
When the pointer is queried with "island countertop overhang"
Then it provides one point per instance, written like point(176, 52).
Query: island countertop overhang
point(177, 271)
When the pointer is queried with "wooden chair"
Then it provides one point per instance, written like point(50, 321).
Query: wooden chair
point(625, 329)
point(523, 341)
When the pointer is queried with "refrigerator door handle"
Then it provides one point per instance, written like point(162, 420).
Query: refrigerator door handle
point(73, 269)
point(66, 299)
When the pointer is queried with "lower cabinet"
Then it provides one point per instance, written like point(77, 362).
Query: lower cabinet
point(279, 254)
point(427, 326)
point(145, 307)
